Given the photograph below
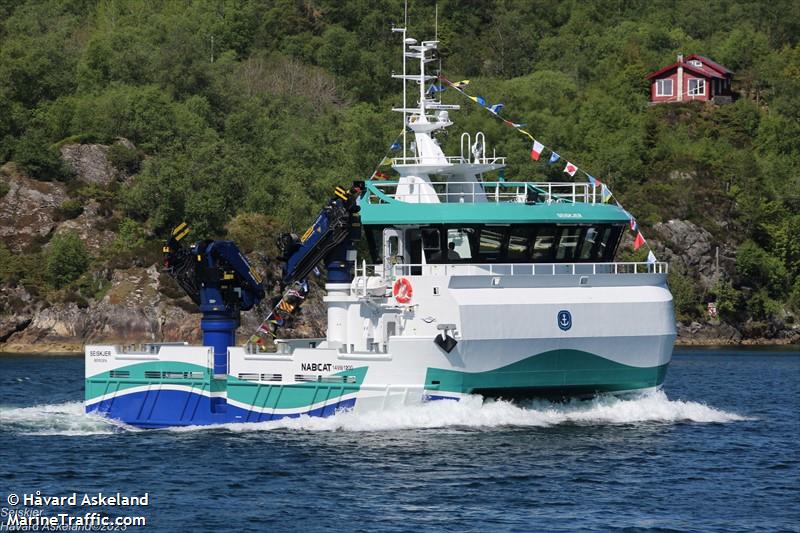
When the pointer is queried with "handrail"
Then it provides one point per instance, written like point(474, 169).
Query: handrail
point(527, 269)
point(504, 191)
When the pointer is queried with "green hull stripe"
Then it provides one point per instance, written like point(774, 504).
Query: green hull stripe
point(268, 396)
point(557, 369)
point(262, 395)
point(103, 383)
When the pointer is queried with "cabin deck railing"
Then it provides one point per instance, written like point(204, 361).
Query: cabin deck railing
point(514, 269)
point(523, 192)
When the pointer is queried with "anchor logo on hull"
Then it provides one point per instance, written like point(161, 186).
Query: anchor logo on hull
point(564, 320)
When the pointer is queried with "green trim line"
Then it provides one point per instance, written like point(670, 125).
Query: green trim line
point(103, 383)
point(393, 211)
point(277, 396)
point(557, 370)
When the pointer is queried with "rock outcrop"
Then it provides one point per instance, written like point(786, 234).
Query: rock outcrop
point(693, 248)
point(91, 163)
point(28, 211)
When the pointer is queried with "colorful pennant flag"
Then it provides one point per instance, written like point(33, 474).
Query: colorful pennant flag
point(553, 158)
point(605, 193)
point(435, 89)
point(651, 257)
point(570, 169)
point(594, 181)
point(461, 84)
point(495, 108)
point(634, 225)
point(536, 151)
point(386, 161)
point(639, 241)
point(481, 101)
point(395, 146)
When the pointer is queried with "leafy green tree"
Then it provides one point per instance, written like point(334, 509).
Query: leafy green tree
point(66, 259)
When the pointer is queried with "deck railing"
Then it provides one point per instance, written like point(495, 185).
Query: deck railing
point(514, 269)
point(491, 191)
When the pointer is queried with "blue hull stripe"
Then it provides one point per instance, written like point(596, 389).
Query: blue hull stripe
point(169, 408)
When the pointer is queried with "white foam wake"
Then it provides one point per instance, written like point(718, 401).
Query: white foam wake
point(471, 412)
point(474, 412)
point(56, 419)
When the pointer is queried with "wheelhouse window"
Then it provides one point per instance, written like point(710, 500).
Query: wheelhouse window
point(663, 87)
point(568, 242)
point(697, 87)
point(460, 243)
point(491, 243)
point(511, 243)
point(543, 244)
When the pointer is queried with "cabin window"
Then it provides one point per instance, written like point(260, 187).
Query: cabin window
point(695, 63)
point(543, 245)
point(491, 242)
point(460, 243)
point(588, 245)
point(431, 245)
point(697, 87)
point(568, 243)
point(519, 243)
point(663, 87)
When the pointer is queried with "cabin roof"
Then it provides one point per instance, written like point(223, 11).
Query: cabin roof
point(402, 213)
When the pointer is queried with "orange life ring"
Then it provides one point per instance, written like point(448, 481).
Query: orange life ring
point(402, 290)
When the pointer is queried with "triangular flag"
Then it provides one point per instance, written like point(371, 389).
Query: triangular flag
point(570, 169)
point(594, 181)
point(460, 84)
point(495, 108)
point(605, 193)
point(435, 88)
point(536, 151)
point(553, 158)
point(481, 101)
point(516, 125)
point(634, 225)
point(386, 161)
point(651, 257)
point(395, 146)
point(639, 241)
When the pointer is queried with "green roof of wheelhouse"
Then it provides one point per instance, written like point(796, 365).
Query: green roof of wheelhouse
point(395, 212)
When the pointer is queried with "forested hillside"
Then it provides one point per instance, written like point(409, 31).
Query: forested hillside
point(240, 117)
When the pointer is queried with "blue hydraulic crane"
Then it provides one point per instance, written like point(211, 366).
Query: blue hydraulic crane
point(220, 280)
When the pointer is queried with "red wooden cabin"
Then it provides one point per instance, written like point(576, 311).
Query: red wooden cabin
point(692, 78)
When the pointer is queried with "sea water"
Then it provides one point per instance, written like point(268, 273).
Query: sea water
point(717, 450)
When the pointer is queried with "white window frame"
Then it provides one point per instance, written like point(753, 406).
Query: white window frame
point(660, 86)
point(700, 84)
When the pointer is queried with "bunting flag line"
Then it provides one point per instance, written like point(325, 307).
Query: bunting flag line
point(536, 150)
point(605, 193)
point(639, 241)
